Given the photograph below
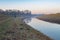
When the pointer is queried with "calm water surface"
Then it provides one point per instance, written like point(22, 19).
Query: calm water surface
point(50, 29)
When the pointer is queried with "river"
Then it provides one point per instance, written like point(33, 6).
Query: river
point(50, 29)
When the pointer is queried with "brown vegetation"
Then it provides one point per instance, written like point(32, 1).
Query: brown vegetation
point(54, 18)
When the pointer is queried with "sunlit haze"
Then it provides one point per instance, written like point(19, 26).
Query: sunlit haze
point(36, 6)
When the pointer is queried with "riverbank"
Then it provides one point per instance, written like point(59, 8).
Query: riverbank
point(54, 18)
point(16, 29)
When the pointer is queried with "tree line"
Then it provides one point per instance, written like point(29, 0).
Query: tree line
point(15, 12)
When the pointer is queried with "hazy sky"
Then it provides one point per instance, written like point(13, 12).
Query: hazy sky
point(33, 5)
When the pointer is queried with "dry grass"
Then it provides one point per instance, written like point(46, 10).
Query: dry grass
point(54, 18)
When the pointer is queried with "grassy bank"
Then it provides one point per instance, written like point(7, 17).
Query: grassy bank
point(16, 29)
point(30, 33)
point(5, 22)
point(54, 18)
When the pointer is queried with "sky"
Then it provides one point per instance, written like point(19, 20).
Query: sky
point(36, 6)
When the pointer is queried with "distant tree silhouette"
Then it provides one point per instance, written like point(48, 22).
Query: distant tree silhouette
point(15, 12)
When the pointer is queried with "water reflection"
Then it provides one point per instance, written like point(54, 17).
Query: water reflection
point(27, 20)
point(49, 29)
